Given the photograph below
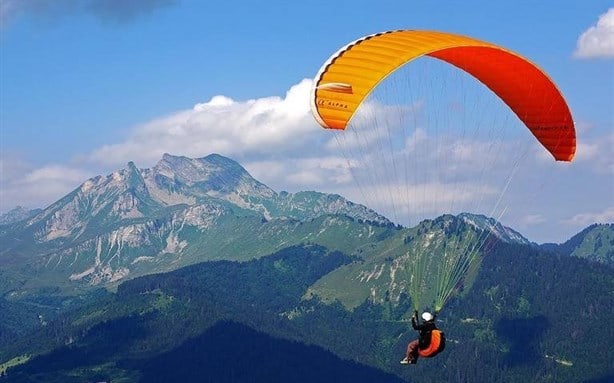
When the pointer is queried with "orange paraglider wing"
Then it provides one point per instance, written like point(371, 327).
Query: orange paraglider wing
point(348, 77)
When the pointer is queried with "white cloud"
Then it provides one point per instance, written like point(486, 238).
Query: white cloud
point(12, 166)
point(585, 219)
point(321, 173)
point(597, 154)
point(431, 196)
point(532, 219)
point(598, 40)
point(22, 184)
point(249, 129)
point(54, 173)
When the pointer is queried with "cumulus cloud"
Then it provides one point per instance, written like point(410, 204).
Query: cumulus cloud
point(532, 219)
point(598, 40)
point(26, 185)
point(115, 11)
point(597, 153)
point(252, 129)
point(12, 165)
point(325, 171)
point(585, 219)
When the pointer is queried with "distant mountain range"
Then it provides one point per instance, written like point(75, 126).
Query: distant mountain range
point(187, 210)
point(137, 221)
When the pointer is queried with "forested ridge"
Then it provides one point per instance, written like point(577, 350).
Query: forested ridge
point(530, 315)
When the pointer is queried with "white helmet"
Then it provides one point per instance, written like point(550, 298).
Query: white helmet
point(427, 316)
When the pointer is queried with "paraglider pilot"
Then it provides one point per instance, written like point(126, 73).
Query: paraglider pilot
point(424, 341)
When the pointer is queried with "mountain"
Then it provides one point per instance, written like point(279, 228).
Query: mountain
point(17, 214)
point(131, 275)
point(387, 266)
point(227, 352)
point(207, 344)
point(595, 243)
point(136, 222)
point(199, 322)
point(139, 221)
point(495, 228)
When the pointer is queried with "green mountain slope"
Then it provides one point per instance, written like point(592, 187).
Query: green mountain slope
point(430, 253)
point(595, 243)
point(529, 316)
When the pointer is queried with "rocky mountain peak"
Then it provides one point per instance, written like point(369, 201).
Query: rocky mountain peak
point(455, 223)
point(194, 170)
point(213, 175)
point(494, 227)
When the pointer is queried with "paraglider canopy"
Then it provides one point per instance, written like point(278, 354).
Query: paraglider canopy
point(350, 75)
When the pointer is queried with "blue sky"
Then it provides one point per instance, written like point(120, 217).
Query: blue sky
point(88, 85)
